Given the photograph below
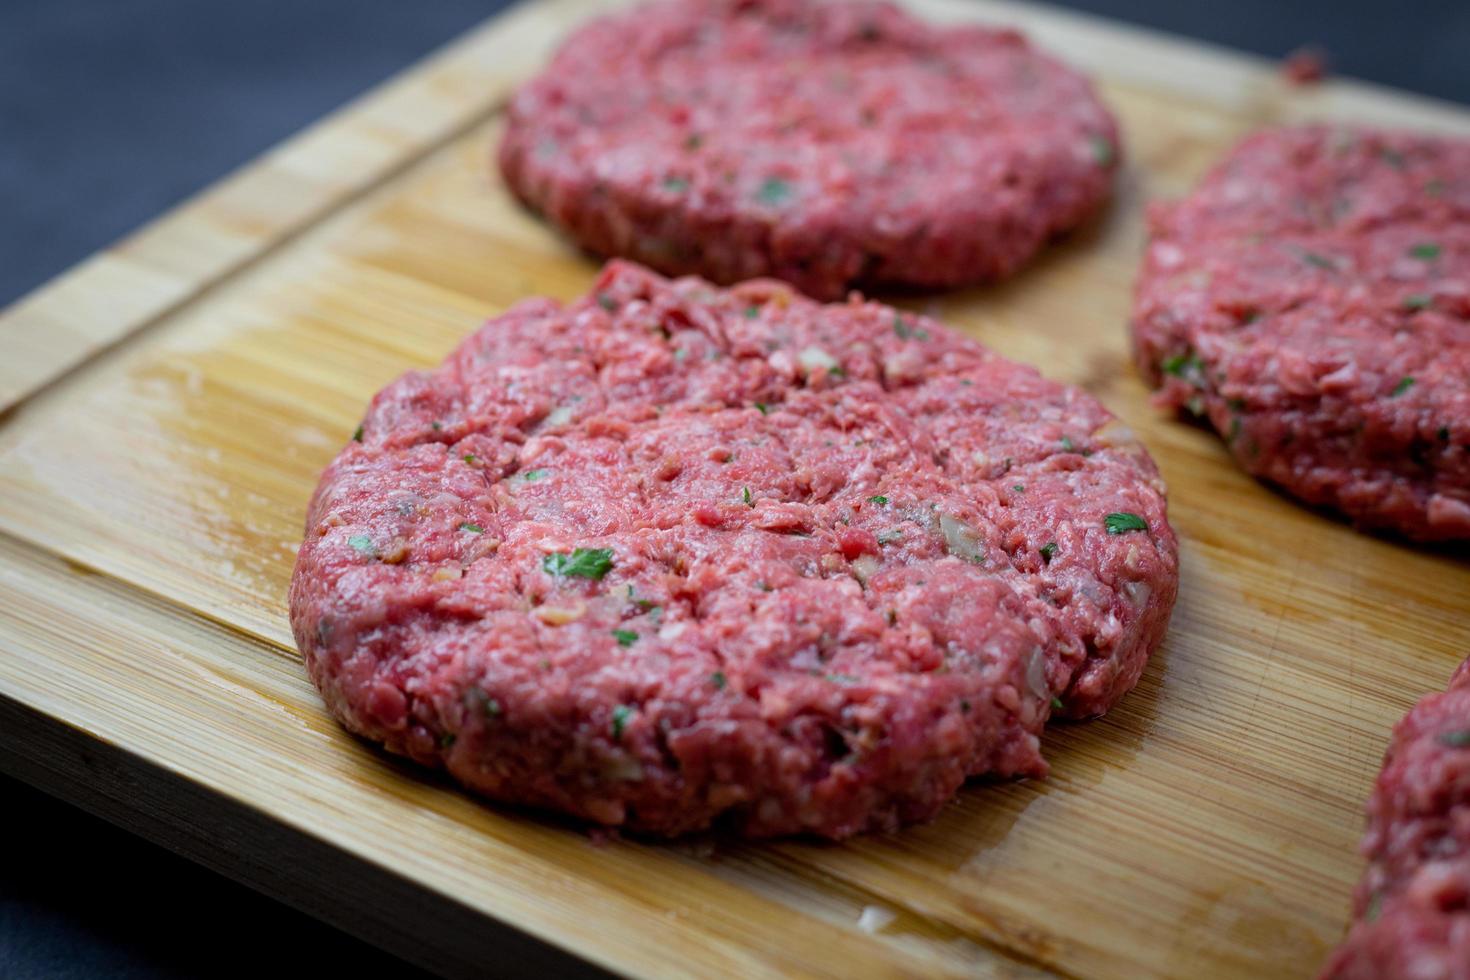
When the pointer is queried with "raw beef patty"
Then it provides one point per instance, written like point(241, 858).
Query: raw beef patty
point(1311, 300)
point(673, 552)
point(829, 144)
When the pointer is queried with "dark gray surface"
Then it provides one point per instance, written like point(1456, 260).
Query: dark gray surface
point(113, 110)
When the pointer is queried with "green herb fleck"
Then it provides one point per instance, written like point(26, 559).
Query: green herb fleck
point(774, 191)
point(471, 458)
point(1418, 301)
point(718, 680)
point(1019, 488)
point(880, 500)
point(1320, 261)
point(620, 717)
point(582, 563)
point(357, 435)
point(436, 425)
point(751, 312)
point(1425, 251)
point(763, 408)
point(606, 302)
point(745, 496)
point(625, 638)
point(677, 185)
point(1124, 522)
point(363, 545)
point(1067, 446)
point(906, 331)
point(1405, 383)
point(531, 476)
point(1455, 740)
point(1102, 150)
point(844, 679)
point(1048, 551)
point(1183, 365)
point(472, 528)
point(1057, 704)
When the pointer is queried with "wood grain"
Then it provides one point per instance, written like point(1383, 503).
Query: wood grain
point(173, 401)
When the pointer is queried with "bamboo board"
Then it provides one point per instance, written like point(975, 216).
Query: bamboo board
point(167, 408)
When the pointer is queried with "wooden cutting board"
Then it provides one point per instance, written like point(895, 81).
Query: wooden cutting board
point(169, 404)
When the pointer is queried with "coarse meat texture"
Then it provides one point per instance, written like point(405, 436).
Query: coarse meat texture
point(1412, 907)
point(828, 144)
point(1311, 301)
point(674, 553)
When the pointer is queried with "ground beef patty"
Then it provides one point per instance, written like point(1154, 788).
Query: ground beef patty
point(1413, 904)
point(673, 552)
point(829, 144)
point(1311, 299)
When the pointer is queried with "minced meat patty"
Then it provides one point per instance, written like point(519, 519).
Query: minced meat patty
point(1413, 904)
point(1311, 300)
point(829, 144)
point(674, 552)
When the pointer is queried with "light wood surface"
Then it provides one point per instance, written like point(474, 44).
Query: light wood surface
point(172, 401)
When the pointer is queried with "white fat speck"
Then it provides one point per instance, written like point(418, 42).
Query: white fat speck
point(560, 415)
point(875, 918)
point(672, 631)
point(812, 358)
point(1036, 674)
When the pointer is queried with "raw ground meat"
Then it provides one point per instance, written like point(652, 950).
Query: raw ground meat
point(672, 554)
point(829, 144)
point(1311, 300)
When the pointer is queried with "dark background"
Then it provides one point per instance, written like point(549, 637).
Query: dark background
point(112, 111)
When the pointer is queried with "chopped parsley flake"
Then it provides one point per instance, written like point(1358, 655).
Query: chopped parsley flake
point(906, 331)
point(1102, 150)
point(582, 563)
point(1418, 301)
point(774, 190)
point(677, 185)
point(436, 425)
point(1405, 383)
point(1057, 704)
point(531, 476)
point(606, 302)
point(1183, 365)
point(880, 500)
point(1320, 261)
point(492, 708)
point(751, 312)
point(745, 496)
point(472, 528)
point(718, 680)
point(471, 458)
point(1425, 250)
point(1067, 446)
point(1048, 551)
point(1019, 488)
point(363, 545)
point(620, 717)
point(625, 638)
point(1124, 522)
point(763, 408)
point(1455, 740)
point(357, 435)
